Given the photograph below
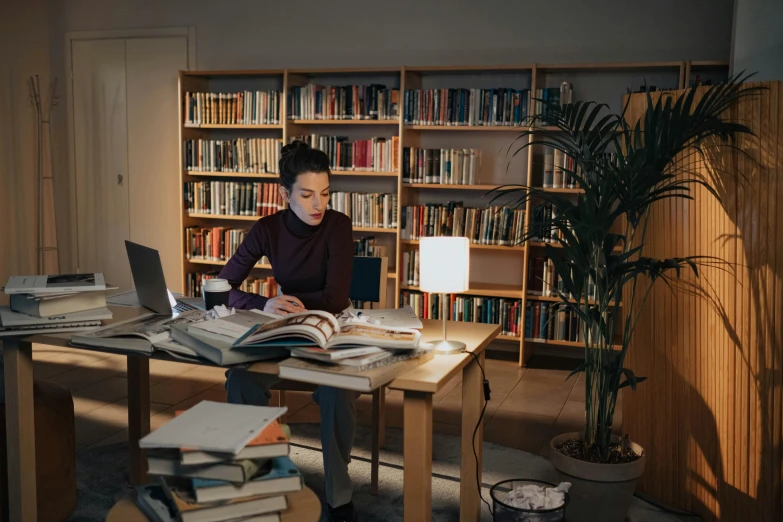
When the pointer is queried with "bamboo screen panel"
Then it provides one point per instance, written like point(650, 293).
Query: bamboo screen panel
point(709, 415)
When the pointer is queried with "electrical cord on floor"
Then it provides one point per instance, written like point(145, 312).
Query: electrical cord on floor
point(475, 430)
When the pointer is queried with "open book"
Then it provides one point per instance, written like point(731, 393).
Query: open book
point(323, 329)
point(138, 334)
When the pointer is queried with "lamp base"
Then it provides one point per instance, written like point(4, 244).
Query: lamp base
point(448, 347)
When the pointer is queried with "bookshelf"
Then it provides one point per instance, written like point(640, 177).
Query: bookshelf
point(497, 270)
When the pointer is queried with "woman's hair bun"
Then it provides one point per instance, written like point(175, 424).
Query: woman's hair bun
point(291, 147)
point(297, 158)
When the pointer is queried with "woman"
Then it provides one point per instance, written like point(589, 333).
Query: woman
point(311, 252)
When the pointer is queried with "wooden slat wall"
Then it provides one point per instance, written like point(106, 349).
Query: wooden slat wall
point(710, 414)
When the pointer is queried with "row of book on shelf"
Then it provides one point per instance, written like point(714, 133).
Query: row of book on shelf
point(500, 106)
point(372, 155)
point(440, 166)
point(464, 308)
point(553, 322)
point(547, 96)
point(376, 210)
point(486, 226)
point(245, 155)
point(232, 108)
point(543, 280)
point(472, 107)
point(348, 102)
point(377, 154)
point(232, 198)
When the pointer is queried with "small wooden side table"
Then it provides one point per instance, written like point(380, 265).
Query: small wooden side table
point(303, 506)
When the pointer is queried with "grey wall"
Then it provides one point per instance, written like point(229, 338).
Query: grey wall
point(24, 52)
point(343, 33)
point(758, 39)
point(258, 34)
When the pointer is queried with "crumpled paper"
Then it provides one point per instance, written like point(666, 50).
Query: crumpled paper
point(534, 496)
point(218, 312)
point(357, 317)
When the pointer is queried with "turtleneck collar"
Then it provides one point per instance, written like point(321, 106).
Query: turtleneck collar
point(296, 226)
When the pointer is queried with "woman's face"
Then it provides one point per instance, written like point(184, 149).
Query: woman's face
point(309, 196)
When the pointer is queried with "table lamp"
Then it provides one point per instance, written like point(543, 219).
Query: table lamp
point(444, 268)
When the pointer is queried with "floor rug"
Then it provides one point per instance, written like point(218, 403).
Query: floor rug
point(102, 476)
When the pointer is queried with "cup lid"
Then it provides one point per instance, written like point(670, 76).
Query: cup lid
point(216, 285)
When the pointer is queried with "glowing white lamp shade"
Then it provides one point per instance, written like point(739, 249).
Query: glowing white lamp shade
point(444, 268)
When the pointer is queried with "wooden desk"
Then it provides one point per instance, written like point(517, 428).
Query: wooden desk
point(419, 386)
point(303, 506)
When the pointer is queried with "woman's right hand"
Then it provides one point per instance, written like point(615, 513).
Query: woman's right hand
point(283, 305)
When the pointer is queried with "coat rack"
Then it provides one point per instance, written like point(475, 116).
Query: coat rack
point(45, 175)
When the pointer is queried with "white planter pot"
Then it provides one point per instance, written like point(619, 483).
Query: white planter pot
point(599, 492)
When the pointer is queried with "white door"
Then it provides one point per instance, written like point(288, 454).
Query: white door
point(126, 152)
point(152, 69)
point(101, 158)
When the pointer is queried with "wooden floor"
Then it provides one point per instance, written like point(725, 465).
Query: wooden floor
point(528, 406)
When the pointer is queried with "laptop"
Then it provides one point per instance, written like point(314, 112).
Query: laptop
point(147, 272)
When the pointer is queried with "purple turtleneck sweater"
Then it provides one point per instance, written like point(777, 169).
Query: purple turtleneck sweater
point(313, 263)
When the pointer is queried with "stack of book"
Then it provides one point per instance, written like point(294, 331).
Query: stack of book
point(348, 353)
point(62, 302)
point(218, 462)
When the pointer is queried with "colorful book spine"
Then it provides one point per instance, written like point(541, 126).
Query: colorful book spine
point(232, 198)
point(343, 102)
point(246, 155)
point(485, 226)
point(232, 108)
point(372, 155)
point(375, 210)
point(465, 308)
point(441, 166)
point(467, 107)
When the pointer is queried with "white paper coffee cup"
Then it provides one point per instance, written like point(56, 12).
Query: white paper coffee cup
point(215, 292)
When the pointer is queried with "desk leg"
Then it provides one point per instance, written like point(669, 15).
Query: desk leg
point(417, 456)
point(472, 402)
point(138, 415)
point(20, 429)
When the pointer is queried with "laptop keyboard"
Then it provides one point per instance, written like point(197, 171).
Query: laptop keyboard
point(183, 307)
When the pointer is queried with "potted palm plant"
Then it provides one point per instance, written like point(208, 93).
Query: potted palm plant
point(597, 249)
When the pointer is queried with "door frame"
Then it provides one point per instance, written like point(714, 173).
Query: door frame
point(70, 38)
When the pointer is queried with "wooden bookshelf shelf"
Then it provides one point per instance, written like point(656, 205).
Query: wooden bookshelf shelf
point(440, 186)
point(344, 122)
point(472, 128)
point(224, 216)
point(378, 230)
point(552, 342)
point(475, 246)
point(609, 66)
point(562, 190)
point(554, 299)
point(483, 290)
point(365, 173)
point(231, 126)
point(263, 266)
point(249, 175)
point(513, 338)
